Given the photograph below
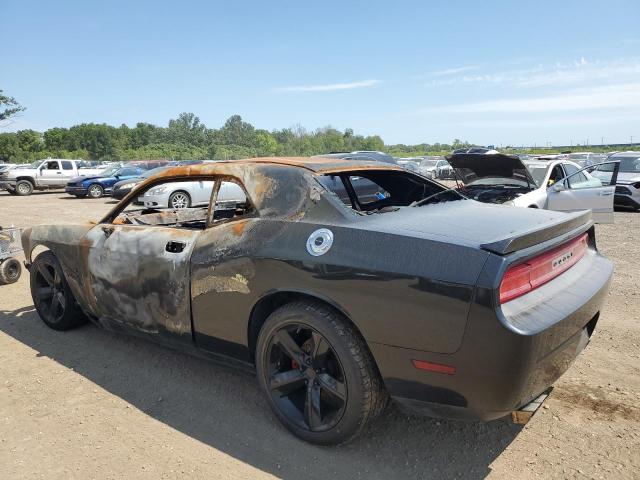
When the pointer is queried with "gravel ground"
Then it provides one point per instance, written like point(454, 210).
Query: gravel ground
point(91, 404)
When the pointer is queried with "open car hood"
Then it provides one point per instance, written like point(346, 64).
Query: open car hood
point(471, 166)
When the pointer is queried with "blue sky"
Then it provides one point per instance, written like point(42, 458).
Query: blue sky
point(491, 72)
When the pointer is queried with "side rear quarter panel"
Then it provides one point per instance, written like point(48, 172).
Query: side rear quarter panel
point(418, 298)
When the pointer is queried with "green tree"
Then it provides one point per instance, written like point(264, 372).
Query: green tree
point(237, 132)
point(186, 129)
point(266, 145)
point(9, 107)
point(30, 141)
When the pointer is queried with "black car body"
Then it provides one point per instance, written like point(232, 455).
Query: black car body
point(422, 288)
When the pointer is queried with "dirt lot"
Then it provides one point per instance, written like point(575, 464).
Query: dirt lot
point(90, 404)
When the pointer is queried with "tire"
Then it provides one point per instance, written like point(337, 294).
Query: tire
point(95, 191)
point(179, 199)
point(24, 188)
point(10, 270)
point(308, 356)
point(51, 294)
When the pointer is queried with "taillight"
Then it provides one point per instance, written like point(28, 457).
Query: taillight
point(527, 276)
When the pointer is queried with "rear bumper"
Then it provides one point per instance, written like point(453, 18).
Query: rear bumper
point(509, 356)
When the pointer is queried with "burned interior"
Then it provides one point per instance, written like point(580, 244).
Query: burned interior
point(196, 217)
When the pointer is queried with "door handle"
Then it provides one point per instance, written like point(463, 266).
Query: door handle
point(107, 230)
point(606, 194)
point(175, 247)
point(58, 173)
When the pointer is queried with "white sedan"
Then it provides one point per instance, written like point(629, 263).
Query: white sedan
point(554, 185)
point(190, 194)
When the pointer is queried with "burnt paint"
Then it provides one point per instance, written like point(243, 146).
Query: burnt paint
point(409, 280)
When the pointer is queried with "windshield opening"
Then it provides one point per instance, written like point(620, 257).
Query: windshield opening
point(152, 172)
point(109, 172)
point(539, 173)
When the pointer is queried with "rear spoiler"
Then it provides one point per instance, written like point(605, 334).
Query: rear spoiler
point(572, 223)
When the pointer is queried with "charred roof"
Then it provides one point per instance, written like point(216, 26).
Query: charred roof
point(319, 165)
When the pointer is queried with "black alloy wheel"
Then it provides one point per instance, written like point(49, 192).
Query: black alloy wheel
point(51, 294)
point(306, 379)
point(317, 373)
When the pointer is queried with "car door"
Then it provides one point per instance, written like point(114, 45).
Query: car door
point(580, 191)
point(230, 192)
point(139, 276)
point(51, 174)
point(201, 192)
point(68, 170)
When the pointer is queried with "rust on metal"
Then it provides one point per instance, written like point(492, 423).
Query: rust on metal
point(120, 273)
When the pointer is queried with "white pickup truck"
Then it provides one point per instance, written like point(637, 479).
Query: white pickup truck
point(43, 175)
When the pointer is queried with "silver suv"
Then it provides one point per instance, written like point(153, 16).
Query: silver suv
point(628, 182)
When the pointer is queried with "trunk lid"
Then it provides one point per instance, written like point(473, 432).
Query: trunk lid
point(494, 228)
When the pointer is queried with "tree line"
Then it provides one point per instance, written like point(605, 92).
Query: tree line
point(187, 138)
point(184, 138)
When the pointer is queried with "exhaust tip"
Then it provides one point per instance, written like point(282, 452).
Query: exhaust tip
point(524, 414)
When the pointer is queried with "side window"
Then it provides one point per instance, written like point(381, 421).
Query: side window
point(66, 165)
point(53, 165)
point(176, 204)
point(556, 174)
point(367, 190)
point(231, 202)
point(334, 184)
point(607, 167)
point(577, 179)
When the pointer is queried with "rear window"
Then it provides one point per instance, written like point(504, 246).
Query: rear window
point(67, 165)
point(379, 191)
point(367, 190)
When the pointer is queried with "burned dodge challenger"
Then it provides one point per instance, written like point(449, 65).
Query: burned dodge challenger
point(338, 298)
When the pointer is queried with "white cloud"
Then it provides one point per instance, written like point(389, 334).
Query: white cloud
point(579, 71)
point(329, 87)
point(453, 71)
point(620, 96)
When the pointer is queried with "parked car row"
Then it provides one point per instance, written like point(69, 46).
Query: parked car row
point(56, 173)
point(43, 175)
